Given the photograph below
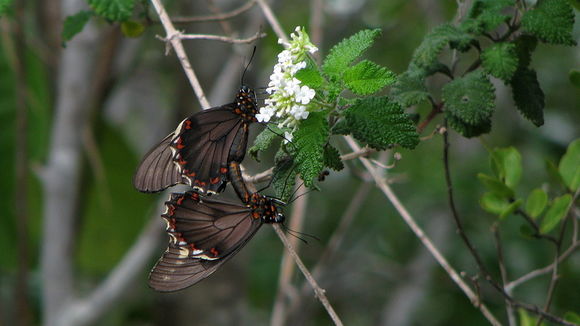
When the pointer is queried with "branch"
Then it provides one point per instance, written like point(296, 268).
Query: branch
point(236, 12)
point(503, 272)
point(180, 52)
point(272, 20)
point(226, 39)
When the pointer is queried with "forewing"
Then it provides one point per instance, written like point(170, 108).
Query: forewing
point(157, 170)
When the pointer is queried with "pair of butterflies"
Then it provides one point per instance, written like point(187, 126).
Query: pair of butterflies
point(204, 152)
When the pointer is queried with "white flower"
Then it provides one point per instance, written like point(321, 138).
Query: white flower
point(288, 137)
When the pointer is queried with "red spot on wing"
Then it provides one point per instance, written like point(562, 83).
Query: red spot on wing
point(214, 180)
point(187, 124)
point(224, 170)
point(214, 252)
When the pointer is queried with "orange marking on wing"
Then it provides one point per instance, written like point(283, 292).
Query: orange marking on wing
point(224, 170)
point(181, 161)
point(180, 200)
point(192, 174)
point(187, 124)
point(214, 252)
point(256, 215)
point(214, 180)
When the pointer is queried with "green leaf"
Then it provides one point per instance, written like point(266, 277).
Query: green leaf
point(113, 10)
point(427, 52)
point(572, 317)
point(74, 24)
point(536, 202)
point(510, 209)
point(4, 4)
point(310, 76)
point(380, 123)
point(466, 129)
point(348, 50)
point(409, 89)
point(555, 213)
point(470, 98)
point(526, 231)
point(493, 203)
point(526, 319)
point(574, 76)
point(507, 164)
point(500, 60)
point(525, 45)
point(569, 166)
point(495, 186)
point(552, 21)
point(367, 77)
point(131, 28)
point(528, 95)
point(332, 158)
point(487, 14)
point(309, 140)
point(284, 175)
point(341, 128)
point(553, 172)
point(265, 139)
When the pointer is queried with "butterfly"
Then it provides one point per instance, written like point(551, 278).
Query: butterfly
point(200, 149)
point(204, 233)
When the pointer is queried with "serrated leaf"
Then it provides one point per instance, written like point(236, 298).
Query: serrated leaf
point(309, 140)
point(488, 14)
point(348, 50)
point(284, 175)
point(552, 21)
point(572, 317)
point(507, 164)
point(493, 203)
point(341, 128)
point(569, 167)
point(500, 60)
point(4, 4)
point(427, 52)
point(557, 211)
point(367, 77)
point(536, 202)
point(510, 209)
point(332, 158)
point(131, 28)
point(113, 10)
point(310, 76)
point(380, 123)
point(495, 186)
point(410, 89)
point(74, 24)
point(574, 76)
point(466, 129)
point(528, 95)
point(525, 45)
point(265, 139)
point(470, 98)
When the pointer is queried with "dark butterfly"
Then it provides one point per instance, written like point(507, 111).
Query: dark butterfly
point(204, 233)
point(199, 151)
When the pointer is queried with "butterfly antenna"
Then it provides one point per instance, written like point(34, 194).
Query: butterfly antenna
point(248, 65)
point(280, 135)
point(272, 179)
point(299, 235)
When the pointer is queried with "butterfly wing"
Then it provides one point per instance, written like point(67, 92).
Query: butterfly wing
point(203, 236)
point(157, 171)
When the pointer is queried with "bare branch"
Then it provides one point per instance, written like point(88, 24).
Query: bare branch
point(272, 20)
point(232, 14)
point(504, 277)
point(225, 39)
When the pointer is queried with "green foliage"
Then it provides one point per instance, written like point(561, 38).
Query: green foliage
point(284, 175)
point(525, 45)
point(552, 21)
point(572, 317)
point(500, 60)
point(555, 213)
point(380, 123)
point(367, 77)
point(310, 76)
point(131, 28)
point(4, 4)
point(506, 164)
point(486, 15)
point(265, 139)
point(332, 158)
point(528, 95)
point(537, 201)
point(426, 54)
point(465, 129)
point(309, 140)
point(495, 186)
point(470, 98)
point(574, 77)
point(348, 50)
point(74, 24)
point(498, 205)
point(410, 89)
point(569, 167)
point(113, 10)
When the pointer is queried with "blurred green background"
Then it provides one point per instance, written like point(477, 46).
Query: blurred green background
point(380, 272)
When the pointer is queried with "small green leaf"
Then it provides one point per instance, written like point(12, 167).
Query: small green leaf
point(536, 202)
point(427, 52)
point(493, 203)
point(264, 140)
point(131, 28)
point(525, 46)
point(488, 14)
point(310, 76)
point(74, 24)
point(500, 60)
point(510, 209)
point(553, 172)
point(572, 317)
point(470, 98)
point(552, 21)
point(284, 175)
point(113, 10)
point(380, 123)
point(309, 140)
point(341, 127)
point(332, 158)
point(410, 89)
point(495, 186)
point(366, 77)
point(348, 50)
point(528, 95)
point(569, 166)
point(466, 129)
point(526, 319)
point(507, 164)
point(574, 76)
point(555, 213)
point(4, 4)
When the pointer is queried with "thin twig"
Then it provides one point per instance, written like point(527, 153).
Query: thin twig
point(231, 14)
point(180, 51)
point(211, 37)
point(504, 277)
point(318, 291)
point(272, 20)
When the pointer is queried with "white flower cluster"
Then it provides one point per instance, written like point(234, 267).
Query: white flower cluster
point(289, 100)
